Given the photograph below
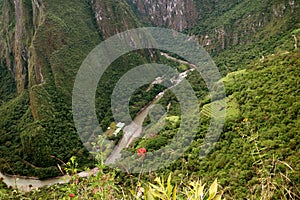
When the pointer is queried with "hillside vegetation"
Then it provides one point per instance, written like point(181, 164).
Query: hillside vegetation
point(236, 32)
point(257, 155)
point(255, 45)
point(64, 34)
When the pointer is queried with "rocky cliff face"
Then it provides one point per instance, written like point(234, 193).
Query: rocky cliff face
point(20, 49)
point(42, 45)
point(246, 22)
point(20, 43)
point(175, 14)
point(113, 16)
point(20, 20)
point(219, 25)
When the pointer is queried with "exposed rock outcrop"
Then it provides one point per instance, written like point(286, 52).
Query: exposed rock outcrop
point(113, 16)
point(175, 14)
point(245, 28)
point(20, 19)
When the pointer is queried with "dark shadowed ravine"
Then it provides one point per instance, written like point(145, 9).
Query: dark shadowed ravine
point(131, 131)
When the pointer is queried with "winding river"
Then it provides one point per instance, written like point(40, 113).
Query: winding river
point(26, 184)
point(134, 129)
point(131, 131)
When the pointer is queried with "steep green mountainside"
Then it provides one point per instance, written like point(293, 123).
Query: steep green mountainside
point(260, 144)
point(257, 156)
point(42, 46)
point(233, 32)
point(7, 86)
point(44, 122)
point(237, 32)
point(43, 43)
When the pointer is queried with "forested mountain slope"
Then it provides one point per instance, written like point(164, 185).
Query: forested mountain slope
point(257, 156)
point(258, 153)
point(43, 43)
point(233, 32)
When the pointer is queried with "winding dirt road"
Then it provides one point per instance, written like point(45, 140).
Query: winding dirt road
point(131, 132)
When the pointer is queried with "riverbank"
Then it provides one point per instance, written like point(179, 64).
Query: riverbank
point(131, 132)
point(27, 184)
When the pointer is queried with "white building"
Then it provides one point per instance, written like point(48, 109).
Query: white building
point(120, 126)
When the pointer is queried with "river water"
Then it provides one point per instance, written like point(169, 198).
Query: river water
point(27, 184)
point(132, 131)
